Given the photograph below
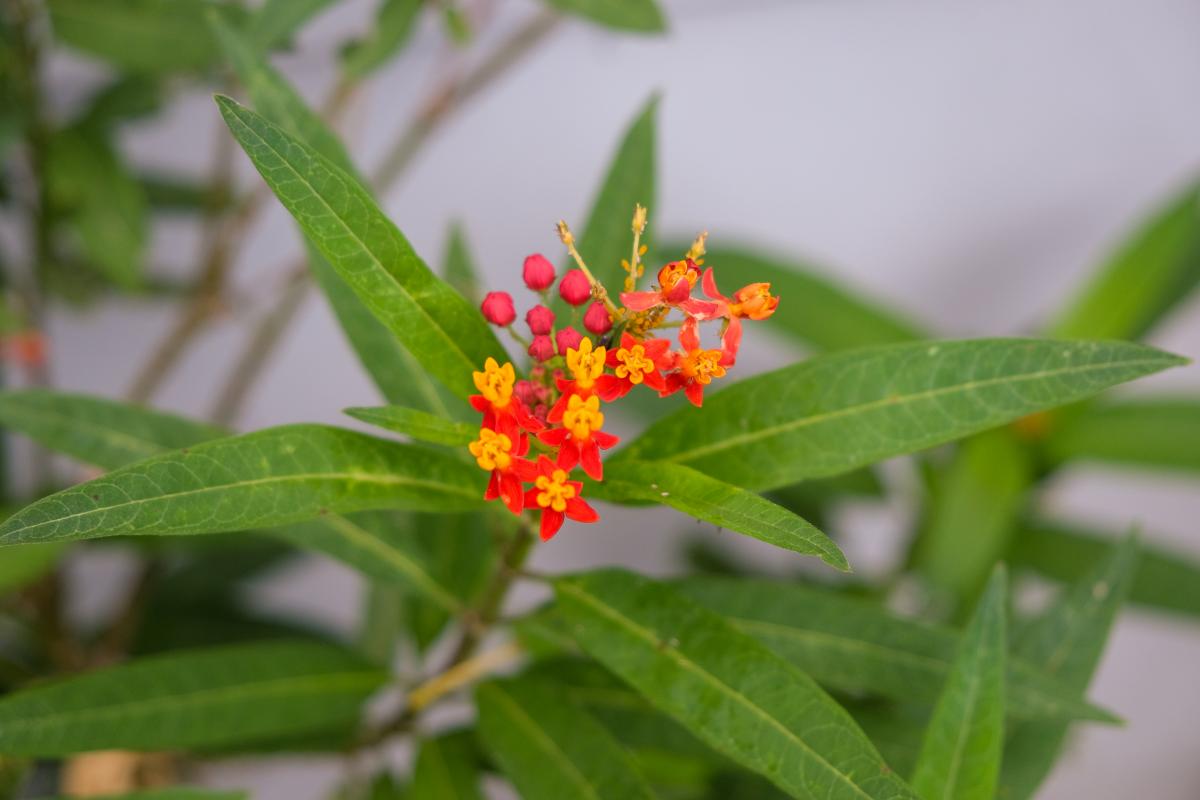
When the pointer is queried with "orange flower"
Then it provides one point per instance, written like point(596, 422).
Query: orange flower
point(636, 361)
point(557, 498)
point(695, 367)
point(753, 301)
point(586, 365)
point(580, 440)
point(502, 411)
point(500, 455)
point(675, 282)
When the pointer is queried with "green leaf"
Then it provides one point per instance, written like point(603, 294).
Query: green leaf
point(855, 646)
point(623, 15)
point(960, 753)
point(1066, 641)
point(126, 98)
point(1160, 433)
point(1153, 270)
point(460, 553)
point(190, 699)
point(26, 563)
point(445, 769)
point(607, 237)
point(837, 412)
point(722, 504)
point(1165, 580)
point(276, 21)
point(815, 310)
point(97, 431)
point(173, 194)
point(178, 793)
point(727, 689)
point(458, 266)
point(549, 748)
point(275, 476)
point(436, 324)
point(417, 424)
point(393, 27)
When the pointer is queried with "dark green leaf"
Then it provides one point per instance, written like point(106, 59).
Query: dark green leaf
point(393, 27)
point(417, 424)
point(960, 753)
point(727, 689)
point(381, 621)
point(1161, 433)
point(624, 15)
point(445, 769)
point(181, 195)
point(835, 413)
point(190, 699)
point(126, 98)
point(460, 553)
point(276, 476)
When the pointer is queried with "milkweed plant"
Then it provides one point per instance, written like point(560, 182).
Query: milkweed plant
point(753, 672)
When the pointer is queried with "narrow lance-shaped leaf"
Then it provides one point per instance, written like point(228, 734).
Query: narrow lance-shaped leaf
point(835, 413)
point(98, 431)
point(720, 503)
point(1156, 433)
point(391, 31)
point(460, 552)
point(276, 476)
point(278, 20)
point(417, 424)
point(727, 689)
point(458, 266)
point(446, 334)
point(1066, 641)
point(446, 769)
point(642, 16)
point(960, 753)
point(190, 699)
point(551, 749)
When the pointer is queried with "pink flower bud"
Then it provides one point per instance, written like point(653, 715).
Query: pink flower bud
point(596, 319)
point(541, 348)
point(575, 288)
point(538, 272)
point(526, 392)
point(568, 339)
point(498, 308)
point(540, 320)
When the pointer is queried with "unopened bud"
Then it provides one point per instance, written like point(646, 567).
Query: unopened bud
point(538, 272)
point(575, 287)
point(498, 308)
point(596, 320)
point(540, 320)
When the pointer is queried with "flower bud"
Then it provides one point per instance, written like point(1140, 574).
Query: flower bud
point(574, 287)
point(538, 272)
point(498, 308)
point(540, 320)
point(568, 339)
point(542, 348)
point(526, 392)
point(597, 320)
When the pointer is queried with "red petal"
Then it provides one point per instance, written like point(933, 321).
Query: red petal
point(551, 522)
point(689, 335)
point(640, 301)
point(580, 511)
point(604, 440)
point(702, 309)
point(531, 499)
point(655, 348)
point(709, 284)
point(493, 487)
point(479, 403)
point(590, 456)
point(655, 381)
point(555, 436)
point(610, 387)
point(524, 418)
point(556, 412)
point(695, 393)
point(731, 340)
point(568, 456)
point(673, 384)
point(679, 292)
point(510, 491)
point(524, 469)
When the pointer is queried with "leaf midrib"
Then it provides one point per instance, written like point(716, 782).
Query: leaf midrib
point(112, 436)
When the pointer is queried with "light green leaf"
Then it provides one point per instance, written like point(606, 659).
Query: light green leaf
point(1165, 580)
point(722, 504)
point(178, 793)
point(623, 15)
point(393, 27)
point(26, 563)
point(458, 266)
point(730, 691)
point(1153, 270)
point(1160, 433)
point(436, 324)
point(275, 476)
point(460, 552)
point(960, 753)
point(607, 237)
point(417, 424)
point(381, 620)
point(855, 646)
point(276, 21)
point(814, 308)
point(549, 748)
point(190, 699)
point(106, 433)
point(837, 412)
point(446, 769)
point(1066, 641)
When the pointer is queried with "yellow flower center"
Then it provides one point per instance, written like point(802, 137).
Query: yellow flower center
point(492, 450)
point(634, 364)
point(674, 272)
point(495, 383)
point(703, 365)
point(586, 364)
point(583, 416)
point(554, 491)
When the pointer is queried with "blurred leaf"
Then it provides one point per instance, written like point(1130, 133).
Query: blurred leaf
point(436, 324)
point(445, 769)
point(275, 476)
point(719, 503)
point(838, 412)
point(176, 793)
point(106, 433)
point(1162, 433)
point(730, 691)
point(460, 554)
point(174, 627)
point(180, 195)
point(276, 21)
point(960, 753)
point(607, 237)
point(394, 24)
point(23, 564)
point(190, 699)
point(896, 729)
point(1154, 269)
point(382, 621)
point(1164, 580)
point(549, 748)
point(417, 424)
point(815, 310)
point(459, 265)
point(126, 98)
point(855, 646)
point(457, 25)
point(624, 15)
point(1066, 641)
point(155, 36)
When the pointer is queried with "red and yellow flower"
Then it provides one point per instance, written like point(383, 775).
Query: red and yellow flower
point(586, 365)
point(675, 283)
point(580, 440)
point(557, 497)
point(696, 367)
point(502, 410)
point(501, 455)
point(635, 362)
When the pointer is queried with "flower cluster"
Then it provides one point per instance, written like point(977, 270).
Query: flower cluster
point(557, 410)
